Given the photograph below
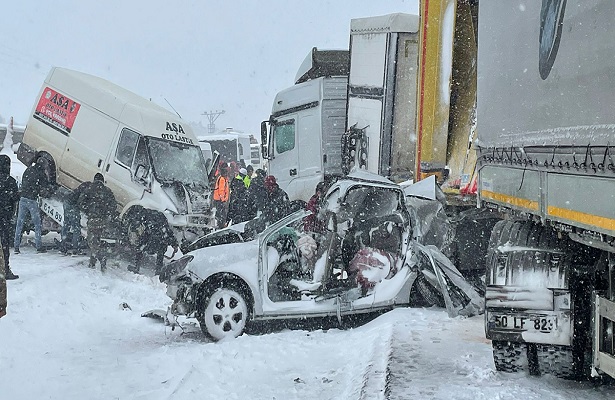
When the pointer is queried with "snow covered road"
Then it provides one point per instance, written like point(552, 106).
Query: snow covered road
point(66, 337)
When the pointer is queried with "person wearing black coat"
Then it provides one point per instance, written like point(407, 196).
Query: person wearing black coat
point(150, 233)
point(238, 203)
point(257, 195)
point(33, 181)
point(9, 196)
point(278, 204)
point(71, 222)
point(98, 203)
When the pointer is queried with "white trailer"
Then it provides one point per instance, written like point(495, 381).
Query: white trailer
point(231, 145)
point(546, 92)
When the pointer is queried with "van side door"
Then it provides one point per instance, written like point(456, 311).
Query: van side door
point(88, 145)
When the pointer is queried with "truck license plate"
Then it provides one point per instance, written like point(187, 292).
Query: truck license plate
point(537, 323)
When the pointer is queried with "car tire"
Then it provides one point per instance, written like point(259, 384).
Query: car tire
point(224, 313)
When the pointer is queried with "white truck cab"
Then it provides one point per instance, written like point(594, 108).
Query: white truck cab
point(302, 137)
point(83, 124)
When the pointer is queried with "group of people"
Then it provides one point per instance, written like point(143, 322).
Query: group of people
point(241, 194)
point(92, 198)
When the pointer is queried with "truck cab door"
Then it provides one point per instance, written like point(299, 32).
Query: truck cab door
point(285, 153)
point(297, 154)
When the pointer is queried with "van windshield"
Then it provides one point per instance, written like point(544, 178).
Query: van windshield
point(177, 162)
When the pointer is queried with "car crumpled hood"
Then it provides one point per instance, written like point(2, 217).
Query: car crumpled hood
point(240, 258)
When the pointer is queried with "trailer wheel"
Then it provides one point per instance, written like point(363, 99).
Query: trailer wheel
point(510, 356)
point(555, 360)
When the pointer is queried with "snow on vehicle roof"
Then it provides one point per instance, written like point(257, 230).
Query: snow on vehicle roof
point(398, 22)
point(224, 136)
point(133, 110)
point(98, 91)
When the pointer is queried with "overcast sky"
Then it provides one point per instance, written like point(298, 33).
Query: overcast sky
point(201, 56)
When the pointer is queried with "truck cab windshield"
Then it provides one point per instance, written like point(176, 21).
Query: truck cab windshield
point(177, 162)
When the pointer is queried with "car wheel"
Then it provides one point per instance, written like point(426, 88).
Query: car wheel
point(224, 314)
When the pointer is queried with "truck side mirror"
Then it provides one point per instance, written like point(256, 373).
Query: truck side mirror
point(264, 142)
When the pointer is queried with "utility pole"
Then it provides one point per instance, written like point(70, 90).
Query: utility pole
point(212, 116)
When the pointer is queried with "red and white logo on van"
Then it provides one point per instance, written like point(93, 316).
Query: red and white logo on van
point(57, 110)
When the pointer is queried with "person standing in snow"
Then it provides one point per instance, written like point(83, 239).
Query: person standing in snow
point(72, 219)
point(248, 178)
point(150, 234)
point(312, 223)
point(33, 182)
point(257, 194)
point(221, 195)
point(2, 290)
point(278, 204)
point(9, 196)
point(238, 200)
point(98, 203)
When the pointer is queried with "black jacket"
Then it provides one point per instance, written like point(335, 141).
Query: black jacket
point(8, 190)
point(97, 201)
point(238, 204)
point(277, 206)
point(257, 196)
point(32, 182)
point(72, 198)
point(152, 230)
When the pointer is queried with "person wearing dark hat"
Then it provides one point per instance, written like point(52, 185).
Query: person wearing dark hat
point(9, 196)
point(237, 210)
point(257, 194)
point(98, 203)
point(33, 181)
point(71, 222)
point(150, 233)
point(248, 176)
point(278, 204)
point(312, 223)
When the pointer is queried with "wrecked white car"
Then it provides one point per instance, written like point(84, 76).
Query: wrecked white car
point(363, 259)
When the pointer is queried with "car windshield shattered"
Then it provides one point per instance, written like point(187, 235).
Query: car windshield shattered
point(363, 202)
point(177, 162)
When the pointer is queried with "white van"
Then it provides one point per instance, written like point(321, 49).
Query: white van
point(149, 157)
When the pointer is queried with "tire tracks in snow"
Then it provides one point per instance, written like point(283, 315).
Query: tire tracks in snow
point(372, 383)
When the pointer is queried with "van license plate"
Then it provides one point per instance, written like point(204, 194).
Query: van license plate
point(537, 323)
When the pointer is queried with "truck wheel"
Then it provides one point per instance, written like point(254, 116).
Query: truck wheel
point(223, 313)
point(555, 360)
point(509, 356)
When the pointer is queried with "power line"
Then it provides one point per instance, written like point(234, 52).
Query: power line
point(212, 116)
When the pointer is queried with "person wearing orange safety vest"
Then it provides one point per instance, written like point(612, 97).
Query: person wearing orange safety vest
point(221, 196)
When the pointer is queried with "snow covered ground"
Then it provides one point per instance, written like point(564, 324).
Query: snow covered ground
point(67, 337)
